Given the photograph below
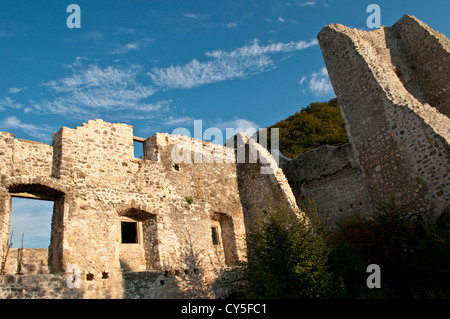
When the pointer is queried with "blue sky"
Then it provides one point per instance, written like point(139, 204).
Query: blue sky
point(33, 219)
point(159, 65)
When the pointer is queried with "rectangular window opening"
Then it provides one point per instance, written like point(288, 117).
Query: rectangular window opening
point(129, 232)
point(215, 237)
point(31, 218)
point(138, 145)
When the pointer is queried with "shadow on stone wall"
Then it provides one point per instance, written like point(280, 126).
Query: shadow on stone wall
point(193, 276)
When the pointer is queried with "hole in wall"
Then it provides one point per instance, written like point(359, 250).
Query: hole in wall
point(215, 236)
point(222, 232)
point(129, 232)
point(33, 219)
point(138, 149)
point(90, 277)
point(105, 275)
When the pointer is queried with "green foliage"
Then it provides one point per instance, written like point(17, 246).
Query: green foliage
point(285, 259)
point(290, 259)
point(320, 123)
point(412, 251)
point(189, 200)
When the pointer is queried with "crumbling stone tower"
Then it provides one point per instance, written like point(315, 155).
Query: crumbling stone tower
point(393, 87)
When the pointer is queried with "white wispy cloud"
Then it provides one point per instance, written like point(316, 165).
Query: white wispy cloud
point(319, 82)
point(197, 73)
point(303, 79)
point(255, 49)
point(14, 123)
point(302, 4)
point(123, 30)
point(223, 65)
point(172, 121)
point(61, 105)
point(9, 103)
point(236, 124)
point(94, 35)
point(92, 90)
point(157, 111)
point(111, 87)
point(233, 24)
point(14, 90)
point(132, 46)
point(191, 15)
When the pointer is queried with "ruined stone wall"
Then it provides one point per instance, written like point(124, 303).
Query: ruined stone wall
point(96, 184)
point(392, 85)
point(31, 158)
point(27, 261)
point(326, 179)
point(6, 152)
point(257, 188)
point(43, 286)
point(427, 52)
point(108, 183)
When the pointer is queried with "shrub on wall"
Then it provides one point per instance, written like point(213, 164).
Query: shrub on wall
point(412, 250)
point(286, 259)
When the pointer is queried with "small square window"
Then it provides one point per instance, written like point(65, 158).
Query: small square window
point(215, 238)
point(129, 232)
point(138, 149)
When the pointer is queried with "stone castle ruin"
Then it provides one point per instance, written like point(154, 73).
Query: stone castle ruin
point(393, 88)
point(131, 227)
point(126, 227)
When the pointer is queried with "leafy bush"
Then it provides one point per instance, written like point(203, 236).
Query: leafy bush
point(412, 251)
point(286, 259)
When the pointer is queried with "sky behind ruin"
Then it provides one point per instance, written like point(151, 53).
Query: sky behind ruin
point(160, 65)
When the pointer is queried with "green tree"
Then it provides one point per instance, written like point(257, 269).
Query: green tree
point(286, 259)
point(320, 123)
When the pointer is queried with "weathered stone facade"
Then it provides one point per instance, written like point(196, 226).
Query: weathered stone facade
point(327, 179)
point(393, 88)
point(98, 186)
